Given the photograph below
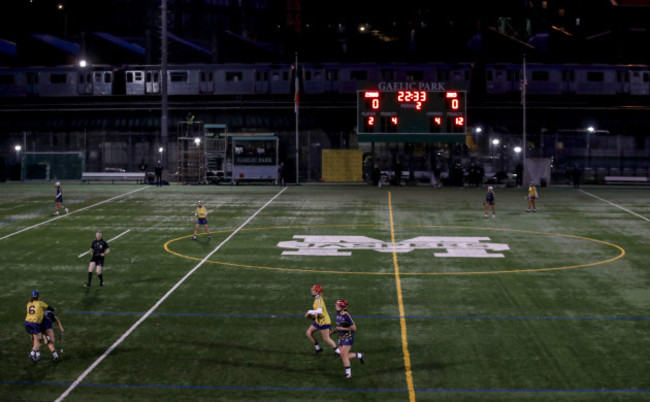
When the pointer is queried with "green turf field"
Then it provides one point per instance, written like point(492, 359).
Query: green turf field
point(450, 306)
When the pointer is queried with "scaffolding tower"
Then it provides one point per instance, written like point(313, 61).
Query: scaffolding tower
point(191, 152)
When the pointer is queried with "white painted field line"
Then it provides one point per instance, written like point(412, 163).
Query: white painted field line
point(70, 213)
point(616, 205)
point(118, 236)
point(159, 302)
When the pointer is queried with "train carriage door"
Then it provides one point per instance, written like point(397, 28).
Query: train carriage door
point(32, 83)
point(206, 81)
point(331, 80)
point(85, 83)
point(622, 81)
point(568, 81)
point(152, 82)
point(261, 81)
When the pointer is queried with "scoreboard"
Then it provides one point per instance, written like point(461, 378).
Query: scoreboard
point(411, 116)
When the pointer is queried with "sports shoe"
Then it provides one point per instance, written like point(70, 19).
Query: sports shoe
point(32, 357)
point(86, 285)
point(66, 210)
point(210, 237)
point(317, 351)
point(493, 216)
point(528, 210)
point(347, 375)
point(101, 284)
point(193, 237)
point(485, 216)
point(56, 212)
point(57, 359)
point(360, 357)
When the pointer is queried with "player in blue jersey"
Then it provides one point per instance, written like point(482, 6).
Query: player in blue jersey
point(33, 325)
point(58, 199)
point(322, 321)
point(489, 201)
point(49, 318)
point(346, 327)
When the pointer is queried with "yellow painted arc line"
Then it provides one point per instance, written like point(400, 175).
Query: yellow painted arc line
point(621, 255)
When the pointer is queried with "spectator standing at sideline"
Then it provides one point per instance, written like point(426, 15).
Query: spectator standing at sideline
point(158, 170)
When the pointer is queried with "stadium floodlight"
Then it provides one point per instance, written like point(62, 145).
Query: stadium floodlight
point(197, 141)
point(517, 150)
point(18, 148)
point(591, 129)
point(160, 150)
point(83, 63)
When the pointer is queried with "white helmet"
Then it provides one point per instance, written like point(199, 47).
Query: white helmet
point(57, 184)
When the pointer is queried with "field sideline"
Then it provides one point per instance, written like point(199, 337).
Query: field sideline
point(451, 306)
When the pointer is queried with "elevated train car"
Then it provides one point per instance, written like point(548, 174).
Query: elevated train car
point(322, 78)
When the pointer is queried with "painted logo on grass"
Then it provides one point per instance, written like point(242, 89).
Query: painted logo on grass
point(341, 246)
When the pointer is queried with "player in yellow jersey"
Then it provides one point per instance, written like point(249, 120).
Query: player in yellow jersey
point(532, 196)
point(321, 322)
point(33, 321)
point(202, 219)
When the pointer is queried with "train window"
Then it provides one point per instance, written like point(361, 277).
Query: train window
point(108, 78)
point(595, 76)
point(332, 75)
point(275, 77)
point(178, 76)
point(234, 76)
point(129, 77)
point(489, 75)
point(646, 77)
point(58, 78)
point(539, 76)
point(206, 76)
point(261, 75)
point(285, 76)
point(359, 75)
point(7, 79)
point(443, 75)
point(307, 75)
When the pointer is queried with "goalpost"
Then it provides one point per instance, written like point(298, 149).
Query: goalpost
point(52, 165)
point(538, 171)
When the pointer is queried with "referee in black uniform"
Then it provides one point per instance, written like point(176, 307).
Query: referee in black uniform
point(98, 250)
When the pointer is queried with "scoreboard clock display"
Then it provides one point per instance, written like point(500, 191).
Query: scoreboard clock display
point(411, 116)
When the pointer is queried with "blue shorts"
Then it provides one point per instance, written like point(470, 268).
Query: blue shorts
point(315, 324)
point(33, 327)
point(347, 339)
point(202, 221)
point(46, 324)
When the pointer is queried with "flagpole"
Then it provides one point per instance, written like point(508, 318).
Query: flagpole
point(524, 83)
point(296, 104)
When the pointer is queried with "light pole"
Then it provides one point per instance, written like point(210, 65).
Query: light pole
point(18, 148)
point(495, 142)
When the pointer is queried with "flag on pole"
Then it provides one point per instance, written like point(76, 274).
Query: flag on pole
point(296, 96)
point(522, 87)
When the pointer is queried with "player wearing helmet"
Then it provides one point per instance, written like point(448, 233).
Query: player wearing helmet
point(33, 321)
point(321, 319)
point(345, 326)
point(58, 199)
